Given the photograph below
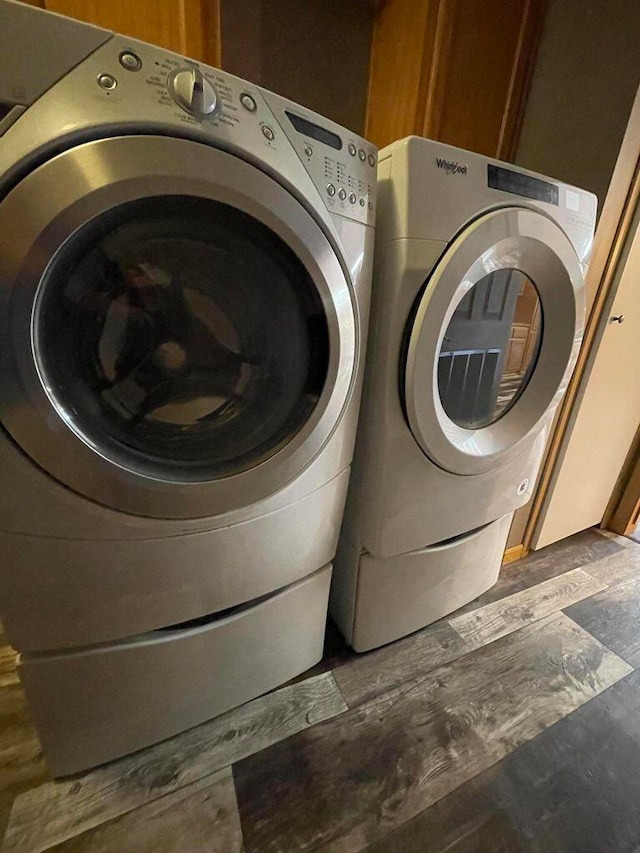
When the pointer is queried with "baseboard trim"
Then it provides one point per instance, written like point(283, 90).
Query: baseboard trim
point(516, 552)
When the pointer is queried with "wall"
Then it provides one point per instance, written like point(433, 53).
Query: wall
point(585, 78)
point(315, 52)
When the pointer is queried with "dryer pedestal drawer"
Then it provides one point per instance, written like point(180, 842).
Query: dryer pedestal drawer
point(96, 704)
point(399, 595)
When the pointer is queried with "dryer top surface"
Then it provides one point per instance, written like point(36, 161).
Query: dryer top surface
point(432, 190)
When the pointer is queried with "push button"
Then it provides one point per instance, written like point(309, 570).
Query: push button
point(342, 194)
point(268, 133)
point(130, 60)
point(248, 102)
point(107, 81)
point(331, 190)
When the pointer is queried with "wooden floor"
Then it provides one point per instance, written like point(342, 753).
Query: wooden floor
point(514, 725)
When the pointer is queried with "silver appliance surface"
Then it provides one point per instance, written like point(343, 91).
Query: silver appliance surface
point(185, 266)
point(192, 672)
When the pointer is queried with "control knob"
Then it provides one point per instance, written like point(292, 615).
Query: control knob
point(190, 89)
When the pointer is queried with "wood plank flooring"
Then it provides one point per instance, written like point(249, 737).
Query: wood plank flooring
point(573, 789)
point(512, 725)
point(59, 810)
point(613, 616)
point(200, 816)
point(580, 550)
point(500, 618)
point(406, 749)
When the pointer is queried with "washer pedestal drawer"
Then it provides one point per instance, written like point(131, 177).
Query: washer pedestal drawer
point(398, 595)
point(95, 704)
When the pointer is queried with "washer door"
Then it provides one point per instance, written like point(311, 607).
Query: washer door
point(180, 337)
point(493, 340)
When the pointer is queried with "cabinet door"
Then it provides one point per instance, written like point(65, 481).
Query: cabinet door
point(454, 71)
point(605, 416)
point(189, 27)
point(516, 350)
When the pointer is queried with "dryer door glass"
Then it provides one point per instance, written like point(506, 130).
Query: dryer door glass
point(178, 334)
point(492, 340)
point(489, 349)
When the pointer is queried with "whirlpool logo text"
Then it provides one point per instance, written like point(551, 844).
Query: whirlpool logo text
point(451, 167)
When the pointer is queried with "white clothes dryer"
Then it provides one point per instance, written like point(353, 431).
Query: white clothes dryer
point(185, 266)
point(477, 317)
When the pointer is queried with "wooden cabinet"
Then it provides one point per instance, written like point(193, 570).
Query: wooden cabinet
point(524, 337)
point(452, 70)
point(189, 27)
point(516, 350)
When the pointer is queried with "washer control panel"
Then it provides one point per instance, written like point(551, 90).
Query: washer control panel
point(201, 93)
point(341, 165)
point(350, 185)
point(192, 91)
point(347, 181)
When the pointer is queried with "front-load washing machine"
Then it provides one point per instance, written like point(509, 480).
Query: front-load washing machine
point(477, 316)
point(185, 266)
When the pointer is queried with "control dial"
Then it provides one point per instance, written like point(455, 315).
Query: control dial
point(193, 92)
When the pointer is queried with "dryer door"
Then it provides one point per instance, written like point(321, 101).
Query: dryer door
point(178, 335)
point(493, 340)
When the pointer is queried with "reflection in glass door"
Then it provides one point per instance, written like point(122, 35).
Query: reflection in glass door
point(490, 348)
point(189, 339)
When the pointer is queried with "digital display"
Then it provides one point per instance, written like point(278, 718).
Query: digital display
point(524, 185)
point(321, 134)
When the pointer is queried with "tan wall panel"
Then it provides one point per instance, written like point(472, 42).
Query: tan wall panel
point(518, 525)
point(314, 52)
point(582, 90)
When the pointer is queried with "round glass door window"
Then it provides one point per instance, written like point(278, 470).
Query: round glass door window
point(490, 348)
point(179, 336)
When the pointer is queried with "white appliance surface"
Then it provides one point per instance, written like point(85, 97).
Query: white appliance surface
point(477, 318)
